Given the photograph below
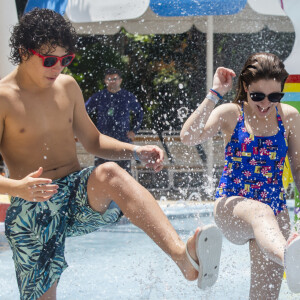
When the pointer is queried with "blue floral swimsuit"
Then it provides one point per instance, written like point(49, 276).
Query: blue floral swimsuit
point(254, 166)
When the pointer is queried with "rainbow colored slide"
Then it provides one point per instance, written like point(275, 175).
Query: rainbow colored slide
point(292, 91)
point(292, 97)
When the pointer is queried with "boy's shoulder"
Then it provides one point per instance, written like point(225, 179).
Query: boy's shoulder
point(8, 89)
point(66, 79)
point(67, 82)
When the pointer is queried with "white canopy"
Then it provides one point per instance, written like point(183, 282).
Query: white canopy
point(246, 20)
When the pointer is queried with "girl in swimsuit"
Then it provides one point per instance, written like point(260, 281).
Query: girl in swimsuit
point(259, 132)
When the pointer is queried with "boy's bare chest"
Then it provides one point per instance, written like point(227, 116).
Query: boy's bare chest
point(33, 116)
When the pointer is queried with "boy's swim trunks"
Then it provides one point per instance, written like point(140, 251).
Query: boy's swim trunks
point(36, 231)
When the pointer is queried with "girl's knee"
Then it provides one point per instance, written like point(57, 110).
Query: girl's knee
point(261, 210)
point(234, 228)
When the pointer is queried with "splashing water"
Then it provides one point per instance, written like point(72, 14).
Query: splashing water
point(194, 196)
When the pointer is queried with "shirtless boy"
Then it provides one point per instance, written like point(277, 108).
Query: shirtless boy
point(41, 110)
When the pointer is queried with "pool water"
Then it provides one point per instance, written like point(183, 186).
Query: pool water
point(122, 262)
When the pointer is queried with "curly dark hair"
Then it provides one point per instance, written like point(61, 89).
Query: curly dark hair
point(41, 27)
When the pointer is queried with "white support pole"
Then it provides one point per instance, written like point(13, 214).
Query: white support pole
point(209, 79)
point(209, 52)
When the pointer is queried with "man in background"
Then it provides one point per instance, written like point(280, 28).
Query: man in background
point(115, 112)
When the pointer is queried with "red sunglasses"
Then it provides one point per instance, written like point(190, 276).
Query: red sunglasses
point(51, 60)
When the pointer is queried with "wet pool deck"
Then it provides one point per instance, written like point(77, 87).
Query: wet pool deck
point(170, 207)
point(121, 262)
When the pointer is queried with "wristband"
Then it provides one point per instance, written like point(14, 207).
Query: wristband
point(212, 97)
point(135, 155)
point(216, 93)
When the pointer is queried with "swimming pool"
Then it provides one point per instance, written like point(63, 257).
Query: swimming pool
point(121, 262)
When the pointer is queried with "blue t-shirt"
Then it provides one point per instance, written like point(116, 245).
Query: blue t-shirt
point(112, 112)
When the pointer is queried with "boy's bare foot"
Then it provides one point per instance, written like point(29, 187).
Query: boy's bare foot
point(189, 272)
point(202, 257)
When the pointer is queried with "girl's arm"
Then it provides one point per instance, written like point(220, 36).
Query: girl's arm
point(205, 122)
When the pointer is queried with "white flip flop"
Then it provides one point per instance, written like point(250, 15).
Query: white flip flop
point(208, 250)
point(292, 263)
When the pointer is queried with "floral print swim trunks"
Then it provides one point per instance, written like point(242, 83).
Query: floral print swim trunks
point(36, 231)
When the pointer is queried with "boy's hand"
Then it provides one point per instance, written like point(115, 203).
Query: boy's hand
point(35, 189)
point(152, 156)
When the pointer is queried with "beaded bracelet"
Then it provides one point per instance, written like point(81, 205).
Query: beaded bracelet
point(135, 155)
point(216, 93)
point(212, 97)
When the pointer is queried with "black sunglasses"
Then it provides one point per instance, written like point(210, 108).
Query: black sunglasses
point(273, 97)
